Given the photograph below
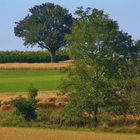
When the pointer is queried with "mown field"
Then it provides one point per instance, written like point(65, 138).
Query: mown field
point(20, 80)
point(46, 134)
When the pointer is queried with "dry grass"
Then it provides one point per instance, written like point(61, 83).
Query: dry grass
point(46, 134)
point(122, 119)
point(50, 99)
point(45, 99)
point(35, 66)
point(42, 94)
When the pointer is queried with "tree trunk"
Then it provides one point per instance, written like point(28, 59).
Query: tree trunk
point(52, 53)
point(95, 118)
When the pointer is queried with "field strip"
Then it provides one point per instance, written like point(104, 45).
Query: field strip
point(44, 100)
point(35, 66)
point(41, 94)
point(47, 134)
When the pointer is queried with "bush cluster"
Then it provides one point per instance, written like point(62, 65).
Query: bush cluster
point(31, 56)
point(55, 118)
point(26, 106)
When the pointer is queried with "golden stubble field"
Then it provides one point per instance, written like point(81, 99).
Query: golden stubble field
point(49, 134)
point(35, 66)
point(45, 99)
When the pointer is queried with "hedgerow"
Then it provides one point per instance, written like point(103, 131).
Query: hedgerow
point(31, 56)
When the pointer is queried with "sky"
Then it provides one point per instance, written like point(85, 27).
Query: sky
point(125, 12)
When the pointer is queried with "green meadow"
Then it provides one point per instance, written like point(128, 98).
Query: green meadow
point(20, 80)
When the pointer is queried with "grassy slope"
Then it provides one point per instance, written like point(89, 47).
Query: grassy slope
point(46, 134)
point(19, 80)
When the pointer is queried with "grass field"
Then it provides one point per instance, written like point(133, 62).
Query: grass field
point(20, 80)
point(46, 134)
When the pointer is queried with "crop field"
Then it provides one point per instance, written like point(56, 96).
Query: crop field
point(35, 66)
point(20, 80)
point(45, 99)
point(46, 134)
point(17, 77)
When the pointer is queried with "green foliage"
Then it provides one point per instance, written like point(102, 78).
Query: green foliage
point(26, 106)
point(135, 96)
point(32, 92)
point(10, 119)
point(101, 78)
point(31, 56)
point(56, 117)
point(49, 118)
point(43, 115)
point(45, 27)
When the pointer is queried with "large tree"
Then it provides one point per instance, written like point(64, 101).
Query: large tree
point(45, 26)
point(101, 75)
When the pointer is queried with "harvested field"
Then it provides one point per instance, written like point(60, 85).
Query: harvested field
point(41, 94)
point(48, 99)
point(35, 66)
point(46, 134)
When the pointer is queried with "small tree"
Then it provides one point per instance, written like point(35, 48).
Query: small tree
point(135, 98)
point(45, 26)
point(26, 106)
point(98, 80)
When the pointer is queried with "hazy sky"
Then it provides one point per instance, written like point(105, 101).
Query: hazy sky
point(126, 12)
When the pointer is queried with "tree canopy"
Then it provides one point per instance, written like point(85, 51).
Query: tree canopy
point(100, 78)
point(45, 26)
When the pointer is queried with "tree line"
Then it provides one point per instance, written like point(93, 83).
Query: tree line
point(31, 56)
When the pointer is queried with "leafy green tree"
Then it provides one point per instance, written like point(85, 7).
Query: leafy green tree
point(137, 43)
point(45, 26)
point(136, 89)
point(100, 77)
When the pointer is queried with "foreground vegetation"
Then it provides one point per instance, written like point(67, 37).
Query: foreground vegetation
point(19, 80)
point(53, 118)
point(34, 111)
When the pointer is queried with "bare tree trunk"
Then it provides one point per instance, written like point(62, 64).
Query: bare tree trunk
point(95, 119)
point(52, 53)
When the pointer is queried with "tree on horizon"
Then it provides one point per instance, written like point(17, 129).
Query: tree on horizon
point(45, 26)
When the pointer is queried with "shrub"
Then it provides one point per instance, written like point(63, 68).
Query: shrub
point(26, 106)
point(138, 121)
point(32, 92)
point(43, 115)
point(56, 117)
point(10, 119)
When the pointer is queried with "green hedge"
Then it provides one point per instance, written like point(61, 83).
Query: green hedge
point(31, 56)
